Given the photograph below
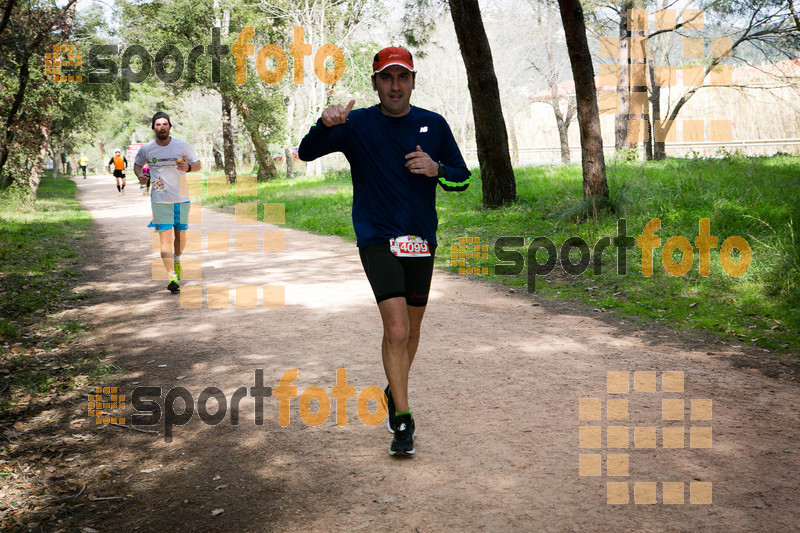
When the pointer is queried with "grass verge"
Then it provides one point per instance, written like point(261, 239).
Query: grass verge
point(752, 198)
point(41, 245)
point(44, 370)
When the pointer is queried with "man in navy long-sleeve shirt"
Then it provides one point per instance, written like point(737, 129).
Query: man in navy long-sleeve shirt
point(398, 154)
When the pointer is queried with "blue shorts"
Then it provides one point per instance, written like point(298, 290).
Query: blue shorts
point(168, 216)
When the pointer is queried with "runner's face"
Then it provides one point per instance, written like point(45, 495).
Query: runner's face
point(161, 128)
point(394, 85)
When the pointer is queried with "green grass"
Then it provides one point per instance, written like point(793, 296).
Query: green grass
point(319, 204)
point(37, 251)
point(41, 245)
point(754, 198)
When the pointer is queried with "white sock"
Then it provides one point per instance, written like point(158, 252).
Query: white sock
point(176, 258)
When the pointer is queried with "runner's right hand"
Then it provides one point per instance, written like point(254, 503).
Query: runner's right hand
point(336, 114)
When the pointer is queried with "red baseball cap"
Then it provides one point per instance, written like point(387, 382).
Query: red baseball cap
point(393, 55)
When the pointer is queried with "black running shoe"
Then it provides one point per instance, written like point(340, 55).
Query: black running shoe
point(403, 442)
point(173, 286)
point(392, 423)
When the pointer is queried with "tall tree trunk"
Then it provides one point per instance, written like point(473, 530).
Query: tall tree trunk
point(247, 154)
point(560, 122)
point(289, 153)
point(659, 131)
point(227, 140)
point(648, 137)
point(623, 85)
point(6, 14)
point(216, 144)
point(497, 174)
point(595, 186)
point(102, 149)
point(266, 167)
point(53, 157)
point(660, 128)
point(794, 15)
point(563, 138)
point(36, 170)
point(8, 138)
point(61, 16)
point(638, 85)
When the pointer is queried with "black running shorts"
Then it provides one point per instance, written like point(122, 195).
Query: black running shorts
point(391, 276)
point(119, 173)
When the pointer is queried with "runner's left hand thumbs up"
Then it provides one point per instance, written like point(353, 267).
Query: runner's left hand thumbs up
point(337, 114)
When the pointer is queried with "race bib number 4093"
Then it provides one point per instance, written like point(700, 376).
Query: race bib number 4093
point(409, 246)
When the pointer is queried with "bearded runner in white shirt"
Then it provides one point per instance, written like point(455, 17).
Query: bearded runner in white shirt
point(169, 159)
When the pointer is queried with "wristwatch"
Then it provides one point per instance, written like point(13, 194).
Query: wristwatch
point(440, 174)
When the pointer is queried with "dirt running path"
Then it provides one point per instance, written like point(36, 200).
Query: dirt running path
point(495, 391)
